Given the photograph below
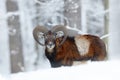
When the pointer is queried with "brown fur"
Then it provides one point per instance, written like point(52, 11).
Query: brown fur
point(68, 51)
point(97, 50)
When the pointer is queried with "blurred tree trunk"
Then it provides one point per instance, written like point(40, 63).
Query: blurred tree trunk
point(14, 37)
point(27, 24)
point(84, 7)
point(114, 38)
point(73, 13)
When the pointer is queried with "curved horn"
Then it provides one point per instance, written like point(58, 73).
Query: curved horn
point(36, 32)
point(60, 28)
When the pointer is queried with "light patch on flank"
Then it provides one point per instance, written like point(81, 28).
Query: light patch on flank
point(82, 44)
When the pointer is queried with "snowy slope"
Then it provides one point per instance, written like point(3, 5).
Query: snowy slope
point(107, 70)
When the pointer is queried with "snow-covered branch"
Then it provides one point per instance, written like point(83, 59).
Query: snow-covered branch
point(39, 2)
point(9, 14)
point(101, 13)
point(105, 36)
point(16, 13)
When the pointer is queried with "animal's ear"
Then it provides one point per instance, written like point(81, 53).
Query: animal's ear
point(41, 38)
point(40, 35)
point(59, 34)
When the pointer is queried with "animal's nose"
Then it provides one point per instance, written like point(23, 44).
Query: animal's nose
point(50, 45)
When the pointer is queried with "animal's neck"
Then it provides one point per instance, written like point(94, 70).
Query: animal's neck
point(50, 52)
point(51, 57)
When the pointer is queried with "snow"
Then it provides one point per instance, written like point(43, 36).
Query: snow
point(93, 17)
point(4, 46)
point(92, 22)
point(106, 70)
point(52, 9)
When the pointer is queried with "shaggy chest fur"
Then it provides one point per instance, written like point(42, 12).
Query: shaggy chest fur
point(52, 58)
point(67, 52)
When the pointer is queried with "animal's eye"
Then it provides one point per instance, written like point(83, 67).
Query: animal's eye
point(45, 36)
point(53, 35)
point(40, 35)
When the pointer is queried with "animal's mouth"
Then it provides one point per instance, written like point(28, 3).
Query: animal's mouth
point(50, 48)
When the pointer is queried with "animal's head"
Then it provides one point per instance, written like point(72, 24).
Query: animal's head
point(50, 36)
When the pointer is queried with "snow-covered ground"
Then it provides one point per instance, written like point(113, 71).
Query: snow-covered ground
point(107, 70)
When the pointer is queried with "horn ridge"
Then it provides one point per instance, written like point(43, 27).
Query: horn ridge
point(60, 28)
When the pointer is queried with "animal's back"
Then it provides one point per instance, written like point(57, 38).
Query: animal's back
point(80, 48)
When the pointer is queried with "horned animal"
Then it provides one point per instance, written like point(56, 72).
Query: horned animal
point(63, 50)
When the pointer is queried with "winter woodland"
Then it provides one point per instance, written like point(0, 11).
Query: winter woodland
point(18, 50)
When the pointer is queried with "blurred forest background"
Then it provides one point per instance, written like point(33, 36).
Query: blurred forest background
point(18, 49)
